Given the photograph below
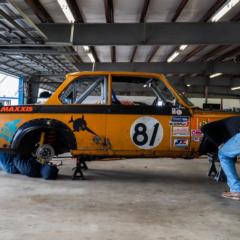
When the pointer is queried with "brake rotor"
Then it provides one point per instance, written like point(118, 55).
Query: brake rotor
point(45, 153)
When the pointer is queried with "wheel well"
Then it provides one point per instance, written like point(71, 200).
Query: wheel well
point(58, 141)
point(57, 134)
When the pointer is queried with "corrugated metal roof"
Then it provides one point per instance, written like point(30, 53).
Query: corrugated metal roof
point(93, 11)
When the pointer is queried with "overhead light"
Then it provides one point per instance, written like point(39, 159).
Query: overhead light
point(182, 47)
point(86, 48)
point(91, 57)
point(64, 6)
point(173, 56)
point(188, 85)
point(235, 88)
point(215, 75)
point(225, 9)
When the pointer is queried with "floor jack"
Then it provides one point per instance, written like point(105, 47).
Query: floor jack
point(80, 166)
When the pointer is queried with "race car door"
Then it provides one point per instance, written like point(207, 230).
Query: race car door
point(86, 100)
point(141, 117)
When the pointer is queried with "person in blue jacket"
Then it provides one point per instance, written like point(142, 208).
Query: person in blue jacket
point(227, 155)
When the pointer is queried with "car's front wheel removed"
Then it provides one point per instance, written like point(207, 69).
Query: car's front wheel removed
point(44, 151)
point(43, 138)
point(43, 144)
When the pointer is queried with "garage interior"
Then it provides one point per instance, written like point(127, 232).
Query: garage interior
point(196, 44)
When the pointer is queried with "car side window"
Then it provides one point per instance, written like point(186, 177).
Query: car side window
point(86, 90)
point(131, 90)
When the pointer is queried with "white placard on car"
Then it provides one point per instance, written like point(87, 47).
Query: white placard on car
point(146, 132)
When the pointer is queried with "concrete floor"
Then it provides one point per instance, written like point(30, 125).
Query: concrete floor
point(141, 199)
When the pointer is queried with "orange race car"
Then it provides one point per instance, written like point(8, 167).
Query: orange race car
point(107, 114)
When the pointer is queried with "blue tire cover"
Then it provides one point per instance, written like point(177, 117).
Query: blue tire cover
point(28, 166)
point(7, 164)
point(49, 172)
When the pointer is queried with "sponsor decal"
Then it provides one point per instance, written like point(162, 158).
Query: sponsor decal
point(16, 109)
point(196, 132)
point(179, 124)
point(180, 143)
point(8, 130)
point(146, 132)
point(179, 121)
point(176, 111)
point(181, 131)
point(197, 139)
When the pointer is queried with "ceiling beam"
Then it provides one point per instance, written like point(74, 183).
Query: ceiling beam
point(79, 19)
point(193, 53)
point(163, 67)
point(220, 48)
point(31, 68)
point(8, 29)
point(75, 11)
point(34, 51)
point(109, 11)
point(205, 18)
point(213, 52)
point(133, 53)
point(20, 28)
point(19, 70)
point(179, 10)
point(154, 49)
point(40, 62)
point(144, 11)
point(140, 34)
point(228, 54)
point(218, 3)
point(39, 10)
point(55, 58)
point(142, 20)
point(45, 17)
point(222, 80)
point(109, 14)
point(152, 53)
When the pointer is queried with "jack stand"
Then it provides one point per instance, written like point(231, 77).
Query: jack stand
point(212, 170)
point(80, 165)
point(84, 165)
point(218, 175)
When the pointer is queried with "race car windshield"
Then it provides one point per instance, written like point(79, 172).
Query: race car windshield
point(186, 100)
point(162, 90)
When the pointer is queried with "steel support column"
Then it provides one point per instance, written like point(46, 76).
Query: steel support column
point(33, 88)
point(21, 90)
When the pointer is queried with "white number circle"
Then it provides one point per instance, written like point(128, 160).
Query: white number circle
point(146, 132)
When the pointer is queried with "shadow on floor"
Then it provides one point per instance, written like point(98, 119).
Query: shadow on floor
point(143, 176)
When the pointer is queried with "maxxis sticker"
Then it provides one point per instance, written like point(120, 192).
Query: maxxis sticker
point(146, 132)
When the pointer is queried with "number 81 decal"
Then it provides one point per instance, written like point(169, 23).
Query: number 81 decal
point(146, 132)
